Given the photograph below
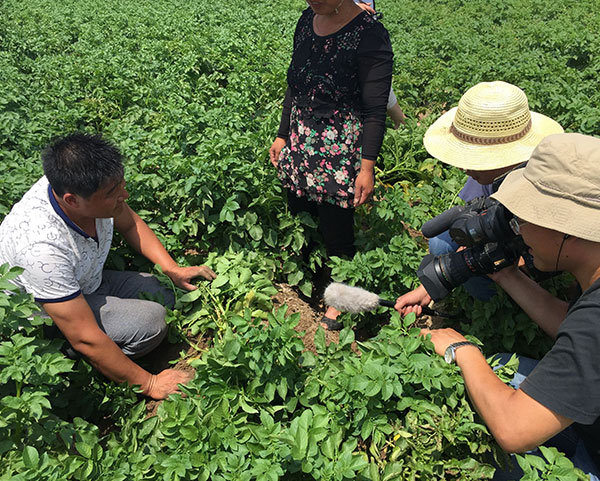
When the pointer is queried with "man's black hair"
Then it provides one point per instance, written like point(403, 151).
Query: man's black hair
point(81, 164)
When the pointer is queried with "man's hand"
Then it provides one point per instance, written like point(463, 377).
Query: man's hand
point(364, 183)
point(166, 382)
point(275, 150)
point(442, 338)
point(76, 321)
point(413, 301)
point(508, 274)
point(181, 276)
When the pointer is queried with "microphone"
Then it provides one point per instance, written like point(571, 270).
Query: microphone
point(441, 223)
point(444, 221)
point(356, 299)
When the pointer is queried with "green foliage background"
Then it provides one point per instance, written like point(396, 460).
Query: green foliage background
point(191, 92)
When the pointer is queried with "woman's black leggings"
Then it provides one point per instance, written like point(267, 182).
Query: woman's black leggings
point(336, 224)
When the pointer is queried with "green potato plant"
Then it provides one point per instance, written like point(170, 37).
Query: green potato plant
point(192, 95)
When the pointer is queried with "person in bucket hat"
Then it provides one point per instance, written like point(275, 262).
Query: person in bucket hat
point(489, 133)
point(556, 203)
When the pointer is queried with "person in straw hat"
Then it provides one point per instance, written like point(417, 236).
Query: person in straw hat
point(556, 203)
point(490, 133)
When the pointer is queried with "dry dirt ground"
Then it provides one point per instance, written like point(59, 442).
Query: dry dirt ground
point(178, 355)
point(309, 317)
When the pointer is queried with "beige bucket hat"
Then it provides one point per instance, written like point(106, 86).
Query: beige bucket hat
point(559, 188)
point(491, 128)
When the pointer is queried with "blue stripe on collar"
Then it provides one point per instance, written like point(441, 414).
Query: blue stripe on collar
point(64, 216)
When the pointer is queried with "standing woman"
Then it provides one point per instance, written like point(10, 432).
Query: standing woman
point(333, 119)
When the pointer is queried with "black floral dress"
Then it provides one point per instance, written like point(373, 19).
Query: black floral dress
point(334, 110)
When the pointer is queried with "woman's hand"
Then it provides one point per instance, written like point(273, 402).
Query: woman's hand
point(364, 183)
point(275, 150)
point(166, 382)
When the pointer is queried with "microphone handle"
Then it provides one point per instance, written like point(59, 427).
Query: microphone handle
point(425, 310)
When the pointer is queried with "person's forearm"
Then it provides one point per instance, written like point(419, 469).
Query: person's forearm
point(543, 308)
point(491, 398)
point(367, 166)
point(375, 66)
point(107, 358)
point(139, 236)
point(517, 421)
point(284, 124)
point(487, 392)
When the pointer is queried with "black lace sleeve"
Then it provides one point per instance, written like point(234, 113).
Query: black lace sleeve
point(375, 63)
point(284, 123)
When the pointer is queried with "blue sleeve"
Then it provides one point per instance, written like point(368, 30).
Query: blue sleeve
point(473, 189)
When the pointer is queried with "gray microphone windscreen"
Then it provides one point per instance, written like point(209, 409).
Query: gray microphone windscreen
point(350, 299)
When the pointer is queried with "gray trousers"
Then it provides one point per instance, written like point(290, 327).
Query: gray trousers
point(136, 325)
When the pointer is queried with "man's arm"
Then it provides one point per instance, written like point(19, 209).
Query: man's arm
point(76, 321)
point(543, 308)
point(517, 422)
point(139, 236)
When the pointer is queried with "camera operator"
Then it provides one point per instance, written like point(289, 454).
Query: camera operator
point(490, 133)
point(555, 201)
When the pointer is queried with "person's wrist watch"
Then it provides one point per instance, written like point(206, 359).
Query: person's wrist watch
point(450, 354)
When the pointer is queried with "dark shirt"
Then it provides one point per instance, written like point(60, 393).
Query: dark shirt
point(567, 379)
point(349, 70)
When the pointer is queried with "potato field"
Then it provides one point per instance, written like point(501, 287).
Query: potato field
point(191, 92)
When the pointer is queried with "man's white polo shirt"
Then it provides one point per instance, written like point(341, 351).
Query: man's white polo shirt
point(60, 260)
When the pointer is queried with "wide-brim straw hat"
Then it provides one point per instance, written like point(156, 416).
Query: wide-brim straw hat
point(491, 128)
point(559, 188)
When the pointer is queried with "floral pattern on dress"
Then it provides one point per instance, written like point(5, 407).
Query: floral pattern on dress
point(322, 158)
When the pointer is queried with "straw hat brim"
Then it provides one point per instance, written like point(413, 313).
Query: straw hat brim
point(443, 145)
point(526, 201)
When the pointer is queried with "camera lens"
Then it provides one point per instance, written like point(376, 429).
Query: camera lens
point(484, 227)
point(439, 275)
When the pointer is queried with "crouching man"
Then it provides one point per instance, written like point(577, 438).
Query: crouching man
point(556, 204)
point(60, 232)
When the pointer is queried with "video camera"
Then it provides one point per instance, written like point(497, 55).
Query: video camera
point(487, 229)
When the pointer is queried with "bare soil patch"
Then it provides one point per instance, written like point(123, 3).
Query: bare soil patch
point(309, 317)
